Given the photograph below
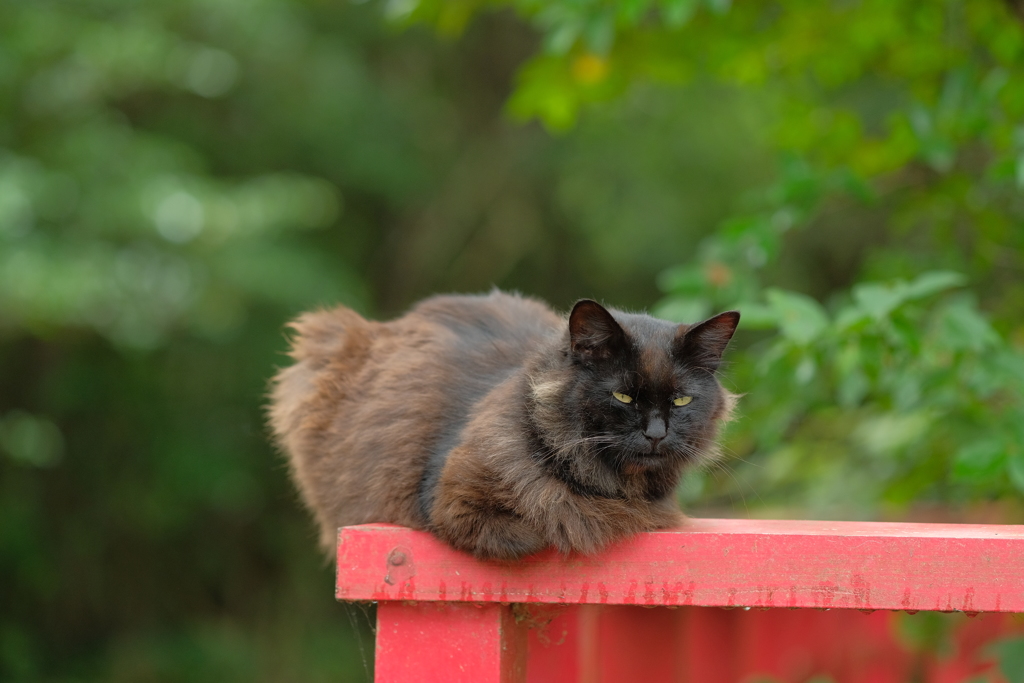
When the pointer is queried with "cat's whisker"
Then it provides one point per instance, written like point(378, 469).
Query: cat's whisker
point(588, 440)
point(730, 454)
point(724, 467)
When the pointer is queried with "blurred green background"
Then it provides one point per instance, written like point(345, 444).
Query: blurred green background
point(179, 178)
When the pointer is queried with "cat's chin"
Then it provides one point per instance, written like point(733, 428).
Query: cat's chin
point(634, 467)
point(638, 463)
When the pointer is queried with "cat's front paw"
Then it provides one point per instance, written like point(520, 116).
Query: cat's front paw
point(577, 535)
point(507, 542)
point(490, 536)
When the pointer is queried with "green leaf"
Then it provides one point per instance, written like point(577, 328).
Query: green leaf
point(878, 300)
point(632, 11)
point(889, 433)
point(962, 327)
point(853, 383)
point(757, 316)
point(859, 187)
point(1010, 653)
point(980, 461)
point(600, 33)
point(925, 632)
point(561, 40)
point(1015, 468)
point(934, 282)
point(683, 310)
point(800, 318)
point(1009, 363)
point(719, 6)
point(682, 280)
point(678, 12)
point(904, 335)
point(850, 317)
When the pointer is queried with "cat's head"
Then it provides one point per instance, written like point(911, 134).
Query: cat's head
point(634, 392)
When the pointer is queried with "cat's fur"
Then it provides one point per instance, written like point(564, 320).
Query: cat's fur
point(491, 421)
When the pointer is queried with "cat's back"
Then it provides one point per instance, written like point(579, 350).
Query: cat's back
point(496, 325)
point(470, 332)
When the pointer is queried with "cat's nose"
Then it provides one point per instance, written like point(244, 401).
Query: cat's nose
point(655, 432)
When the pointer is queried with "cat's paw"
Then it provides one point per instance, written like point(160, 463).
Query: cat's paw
point(577, 534)
point(490, 536)
point(507, 542)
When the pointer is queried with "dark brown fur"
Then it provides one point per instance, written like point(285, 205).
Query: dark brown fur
point(479, 418)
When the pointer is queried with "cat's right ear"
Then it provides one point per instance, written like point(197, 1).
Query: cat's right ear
point(593, 332)
point(704, 343)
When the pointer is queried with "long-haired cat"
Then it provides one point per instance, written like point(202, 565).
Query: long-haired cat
point(498, 425)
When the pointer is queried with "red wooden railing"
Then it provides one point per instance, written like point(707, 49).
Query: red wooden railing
point(443, 616)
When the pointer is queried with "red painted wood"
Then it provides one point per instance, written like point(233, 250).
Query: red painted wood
point(640, 644)
point(710, 645)
point(561, 644)
point(450, 643)
point(860, 565)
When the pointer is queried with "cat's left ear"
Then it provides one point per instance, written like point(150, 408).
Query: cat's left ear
point(703, 344)
point(593, 332)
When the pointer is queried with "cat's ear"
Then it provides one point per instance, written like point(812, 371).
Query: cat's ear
point(593, 332)
point(703, 344)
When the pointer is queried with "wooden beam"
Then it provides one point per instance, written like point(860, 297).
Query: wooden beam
point(725, 563)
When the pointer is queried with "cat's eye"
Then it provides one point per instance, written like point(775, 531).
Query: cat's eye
point(622, 397)
point(682, 400)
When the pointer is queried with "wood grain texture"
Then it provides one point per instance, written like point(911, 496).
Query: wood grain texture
point(725, 563)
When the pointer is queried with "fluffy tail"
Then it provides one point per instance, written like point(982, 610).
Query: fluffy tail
point(325, 342)
point(328, 346)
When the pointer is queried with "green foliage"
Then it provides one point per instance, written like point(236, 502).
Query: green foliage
point(902, 393)
point(925, 633)
point(1010, 654)
point(126, 230)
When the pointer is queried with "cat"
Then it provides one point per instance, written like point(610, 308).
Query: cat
point(497, 425)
